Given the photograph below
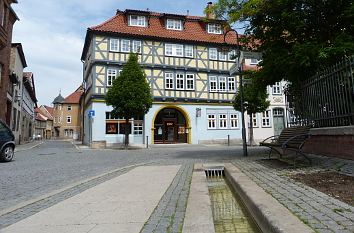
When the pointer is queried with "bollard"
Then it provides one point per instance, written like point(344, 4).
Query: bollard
point(228, 140)
point(147, 141)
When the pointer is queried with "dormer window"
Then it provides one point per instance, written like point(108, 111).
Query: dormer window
point(214, 28)
point(137, 20)
point(174, 24)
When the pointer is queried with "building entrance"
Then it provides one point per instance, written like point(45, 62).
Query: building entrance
point(170, 127)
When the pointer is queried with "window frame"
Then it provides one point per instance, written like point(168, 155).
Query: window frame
point(175, 23)
point(231, 80)
point(169, 81)
point(190, 78)
point(69, 106)
point(190, 49)
point(122, 47)
point(112, 47)
point(222, 120)
point(266, 116)
point(68, 119)
point(139, 19)
point(174, 49)
point(223, 56)
point(110, 79)
point(136, 46)
point(277, 88)
point(138, 127)
point(222, 82)
point(214, 28)
point(234, 123)
point(213, 79)
point(179, 81)
point(213, 51)
point(211, 120)
point(255, 122)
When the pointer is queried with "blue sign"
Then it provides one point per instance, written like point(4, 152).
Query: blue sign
point(91, 113)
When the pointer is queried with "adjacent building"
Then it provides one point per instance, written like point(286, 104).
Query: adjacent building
point(29, 103)
point(14, 94)
point(48, 113)
point(188, 69)
point(66, 115)
point(7, 80)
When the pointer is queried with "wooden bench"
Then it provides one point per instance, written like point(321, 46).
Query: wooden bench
point(292, 139)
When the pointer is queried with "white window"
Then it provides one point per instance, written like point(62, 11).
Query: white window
point(214, 28)
point(231, 84)
point(213, 84)
point(69, 107)
point(232, 55)
point(125, 46)
point(168, 81)
point(253, 61)
point(223, 121)
point(68, 119)
point(174, 24)
point(277, 88)
point(223, 56)
point(222, 84)
point(137, 20)
point(138, 127)
point(59, 119)
point(114, 45)
point(136, 46)
point(213, 54)
point(190, 81)
point(111, 76)
point(188, 51)
point(174, 50)
point(180, 81)
point(211, 121)
point(266, 119)
point(255, 120)
point(233, 121)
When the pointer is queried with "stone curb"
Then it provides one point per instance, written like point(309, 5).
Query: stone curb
point(31, 147)
point(270, 215)
point(199, 216)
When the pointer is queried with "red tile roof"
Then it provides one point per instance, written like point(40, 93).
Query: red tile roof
point(39, 116)
point(194, 29)
point(74, 98)
point(49, 109)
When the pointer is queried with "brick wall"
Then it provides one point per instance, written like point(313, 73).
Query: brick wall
point(5, 53)
point(335, 142)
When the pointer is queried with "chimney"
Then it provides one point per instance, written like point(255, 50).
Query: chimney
point(209, 13)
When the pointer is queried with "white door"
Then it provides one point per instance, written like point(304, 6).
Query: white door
point(278, 120)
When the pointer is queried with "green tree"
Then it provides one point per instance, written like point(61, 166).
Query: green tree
point(130, 94)
point(297, 37)
point(255, 100)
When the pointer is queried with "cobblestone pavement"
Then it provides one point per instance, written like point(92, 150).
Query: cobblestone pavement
point(320, 211)
point(168, 216)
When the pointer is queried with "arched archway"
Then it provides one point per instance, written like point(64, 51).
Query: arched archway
point(171, 124)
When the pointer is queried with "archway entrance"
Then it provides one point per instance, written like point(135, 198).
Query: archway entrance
point(170, 126)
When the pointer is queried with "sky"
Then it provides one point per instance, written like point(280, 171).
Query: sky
point(52, 34)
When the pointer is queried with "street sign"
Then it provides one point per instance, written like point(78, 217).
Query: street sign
point(91, 113)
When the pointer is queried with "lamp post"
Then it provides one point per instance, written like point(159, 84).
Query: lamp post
point(239, 68)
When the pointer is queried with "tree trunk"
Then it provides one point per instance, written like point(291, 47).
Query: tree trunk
point(251, 140)
point(126, 141)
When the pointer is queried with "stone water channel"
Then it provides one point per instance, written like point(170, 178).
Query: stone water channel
point(230, 216)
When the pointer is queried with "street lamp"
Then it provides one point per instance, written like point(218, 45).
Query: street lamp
point(239, 69)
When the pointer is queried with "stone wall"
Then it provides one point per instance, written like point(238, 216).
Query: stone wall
point(335, 142)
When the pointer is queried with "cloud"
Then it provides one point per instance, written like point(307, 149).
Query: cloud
point(52, 33)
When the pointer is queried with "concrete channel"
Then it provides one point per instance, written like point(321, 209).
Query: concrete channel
point(223, 199)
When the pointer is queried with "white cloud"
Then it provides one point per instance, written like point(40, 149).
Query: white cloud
point(52, 33)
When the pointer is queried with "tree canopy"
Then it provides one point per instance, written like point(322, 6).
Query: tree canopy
point(130, 94)
point(296, 37)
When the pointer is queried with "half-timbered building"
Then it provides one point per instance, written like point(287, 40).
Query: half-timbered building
point(187, 71)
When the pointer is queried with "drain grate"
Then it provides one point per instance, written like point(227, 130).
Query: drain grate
point(214, 172)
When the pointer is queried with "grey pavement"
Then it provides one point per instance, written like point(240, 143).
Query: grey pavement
point(55, 171)
point(320, 211)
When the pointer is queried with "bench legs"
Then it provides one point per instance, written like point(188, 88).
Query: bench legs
point(273, 149)
point(298, 152)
